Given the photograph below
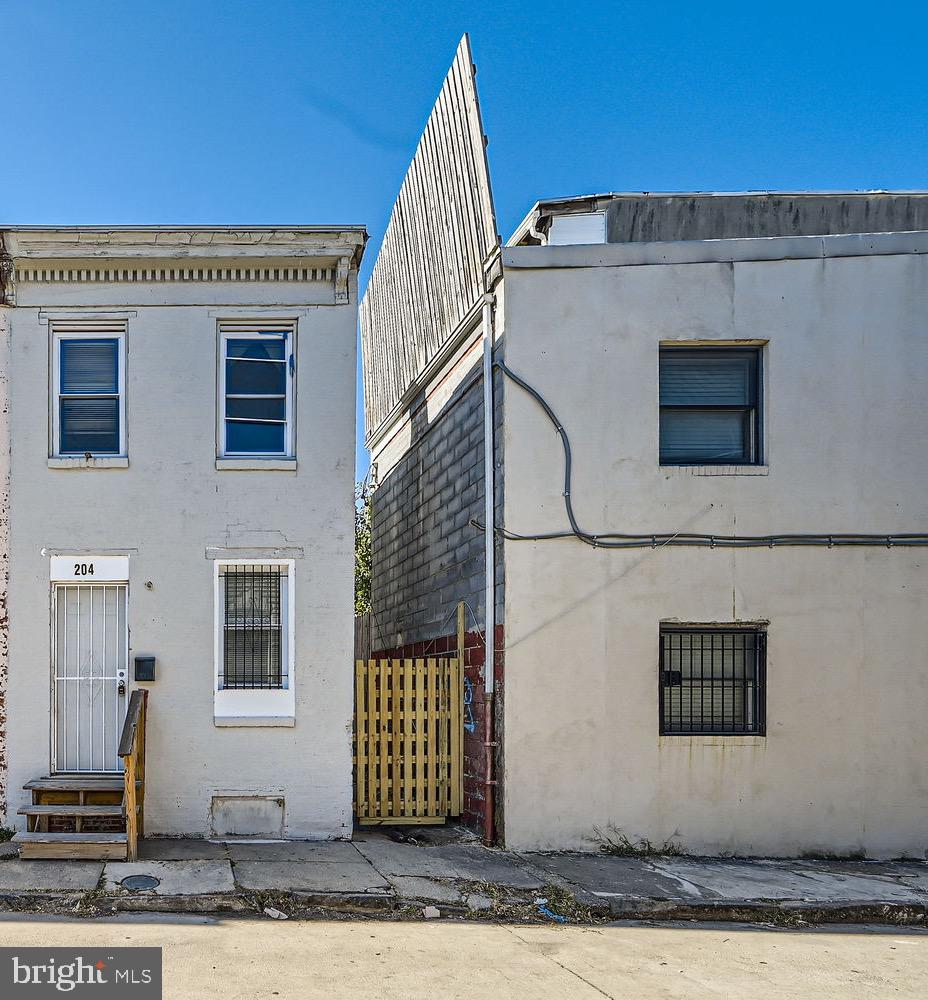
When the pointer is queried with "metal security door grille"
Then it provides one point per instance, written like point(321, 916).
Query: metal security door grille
point(90, 655)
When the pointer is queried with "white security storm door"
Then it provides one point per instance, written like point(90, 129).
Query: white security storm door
point(90, 656)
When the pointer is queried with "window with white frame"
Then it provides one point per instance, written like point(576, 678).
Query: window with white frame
point(256, 391)
point(88, 387)
point(255, 625)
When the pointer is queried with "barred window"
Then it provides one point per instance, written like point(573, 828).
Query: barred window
point(254, 627)
point(712, 680)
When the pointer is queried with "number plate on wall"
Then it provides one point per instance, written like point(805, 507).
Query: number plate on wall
point(90, 569)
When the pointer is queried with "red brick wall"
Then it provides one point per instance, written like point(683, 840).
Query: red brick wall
point(475, 729)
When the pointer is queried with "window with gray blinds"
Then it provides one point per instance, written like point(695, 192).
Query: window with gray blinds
point(88, 396)
point(254, 630)
point(710, 406)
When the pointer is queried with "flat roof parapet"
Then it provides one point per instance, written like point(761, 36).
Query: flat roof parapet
point(67, 242)
point(657, 217)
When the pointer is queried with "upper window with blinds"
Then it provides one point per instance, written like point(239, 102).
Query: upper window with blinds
point(89, 389)
point(256, 392)
point(710, 406)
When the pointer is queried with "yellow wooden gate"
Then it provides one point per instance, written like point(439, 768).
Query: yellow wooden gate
point(408, 735)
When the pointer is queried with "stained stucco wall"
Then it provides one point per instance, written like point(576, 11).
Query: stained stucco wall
point(167, 509)
point(842, 768)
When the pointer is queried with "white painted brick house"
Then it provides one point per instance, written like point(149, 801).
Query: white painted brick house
point(179, 426)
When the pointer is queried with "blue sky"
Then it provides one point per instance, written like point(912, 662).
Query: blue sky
point(280, 111)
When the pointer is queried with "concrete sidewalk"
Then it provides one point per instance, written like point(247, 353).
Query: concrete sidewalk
point(209, 958)
point(378, 875)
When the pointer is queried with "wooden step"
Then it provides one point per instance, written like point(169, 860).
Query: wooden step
point(90, 783)
point(96, 846)
point(78, 838)
point(70, 810)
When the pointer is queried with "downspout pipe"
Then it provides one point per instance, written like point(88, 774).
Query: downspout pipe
point(489, 832)
point(7, 301)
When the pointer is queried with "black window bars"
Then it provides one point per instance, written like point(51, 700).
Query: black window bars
point(254, 651)
point(712, 680)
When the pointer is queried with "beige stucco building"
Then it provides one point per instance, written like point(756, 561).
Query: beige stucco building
point(837, 323)
point(726, 651)
point(180, 423)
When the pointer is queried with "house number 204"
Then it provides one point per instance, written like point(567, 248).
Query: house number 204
point(83, 569)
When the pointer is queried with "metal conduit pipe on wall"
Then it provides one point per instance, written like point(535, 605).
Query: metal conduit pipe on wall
point(616, 540)
point(489, 679)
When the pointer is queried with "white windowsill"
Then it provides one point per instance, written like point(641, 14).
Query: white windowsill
point(80, 462)
point(230, 721)
point(717, 470)
point(256, 464)
point(254, 707)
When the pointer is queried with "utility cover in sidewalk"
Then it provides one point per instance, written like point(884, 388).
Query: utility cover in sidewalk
point(140, 882)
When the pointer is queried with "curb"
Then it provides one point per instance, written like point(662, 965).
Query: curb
point(784, 912)
point(202, 903)
point(248, 902)
point(91, 903)
point(69, 900)
point(350, 902)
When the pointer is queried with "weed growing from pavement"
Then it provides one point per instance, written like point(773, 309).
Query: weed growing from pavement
point(563, 902)
point(616, 844)
point(522, 906)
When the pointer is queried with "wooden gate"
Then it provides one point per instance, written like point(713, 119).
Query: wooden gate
point(408, 735)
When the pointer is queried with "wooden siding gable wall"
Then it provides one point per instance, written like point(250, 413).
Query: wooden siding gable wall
point(429, 274)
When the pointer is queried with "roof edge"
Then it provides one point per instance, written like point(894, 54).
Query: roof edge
point(185, 228)
point(724, 251)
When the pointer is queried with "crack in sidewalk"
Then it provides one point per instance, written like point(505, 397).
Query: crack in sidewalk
point(560, 965)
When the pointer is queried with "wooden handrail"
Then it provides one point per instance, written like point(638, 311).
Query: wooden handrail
point(131, 722)
point(132, 752)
